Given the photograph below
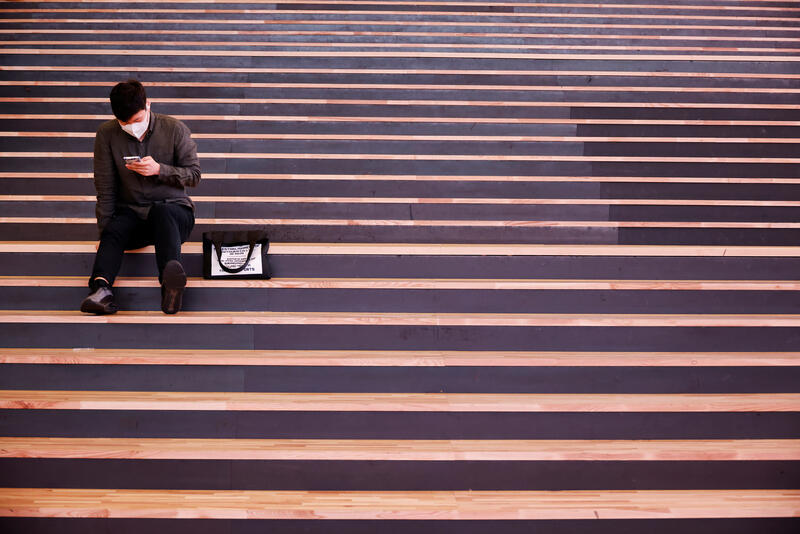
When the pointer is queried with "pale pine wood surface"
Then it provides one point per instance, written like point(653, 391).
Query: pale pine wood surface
point(402, 450)
point(399, 505)
point(397, 402)
point(420, 319)
point(90, 356)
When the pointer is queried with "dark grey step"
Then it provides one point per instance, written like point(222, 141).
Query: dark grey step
point(365, 379)
point(578, 235)
point(444, 211)
point(440, 188)
point(372, 337)
point(49, 525)
point(328, 475)
point(556, 80)
point(398, 425)
point(417, 300)
point(543, 267)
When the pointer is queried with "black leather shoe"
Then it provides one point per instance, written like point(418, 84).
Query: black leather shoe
point(173, 280)
point(100, 302)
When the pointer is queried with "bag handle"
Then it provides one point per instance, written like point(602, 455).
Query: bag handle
point(218, 248)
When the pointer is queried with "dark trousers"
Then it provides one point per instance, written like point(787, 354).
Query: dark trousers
point(167, 226)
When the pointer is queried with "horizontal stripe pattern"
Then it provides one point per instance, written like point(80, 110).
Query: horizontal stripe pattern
point(534, 263)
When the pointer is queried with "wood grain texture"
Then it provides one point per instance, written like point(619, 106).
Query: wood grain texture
point(414, 137)
point(402, 450)
point(440, 505)
point(308, 70)
point(713, 6)
point(409, 102)
point(414, 120)
point(440, 249)
point(433, 222)
point(396, 402)
point(385, 23)
point(356, 5)
point(361, 45)
point(389, 54)
point(377, 358)
point(483, 35)
point(428, 283)
point(515, 14)
point(441, 178)
point(434, 157)
point(200, 199)
point(408, 319)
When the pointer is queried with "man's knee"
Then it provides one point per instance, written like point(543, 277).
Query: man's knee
point(160, 211)
point(165, 213)
point(173, 216)
point(117, 229)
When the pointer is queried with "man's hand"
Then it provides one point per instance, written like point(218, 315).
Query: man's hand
point(147, 167)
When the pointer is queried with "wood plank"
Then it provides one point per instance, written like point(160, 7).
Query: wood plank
point(484, 35)
point(404, 119)
point(397, 402)
point(373, 358)
point(493, 72)
point(416, 137)
point(434, 223)
point(420, 13)
point(402, 450)
point(428, 283)
point(388, 54)
point(409, 319)
point(408, 86)
point(468, 4)
point(345, 22)
point(200, 199)
point(423, 45)
point(715, 7)
point(395, 102)
point(431, 157)
point(440, 249)
point(436, 505)
point(437, 178)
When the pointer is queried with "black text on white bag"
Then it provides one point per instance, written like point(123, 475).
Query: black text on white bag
point(236, 254)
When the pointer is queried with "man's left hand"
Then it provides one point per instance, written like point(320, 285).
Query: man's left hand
point(146, 167)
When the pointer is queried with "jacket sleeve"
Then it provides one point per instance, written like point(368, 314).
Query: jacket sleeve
point(105, 180)
point(186, 169)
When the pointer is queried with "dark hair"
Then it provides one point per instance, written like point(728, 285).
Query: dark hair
point(127, 99)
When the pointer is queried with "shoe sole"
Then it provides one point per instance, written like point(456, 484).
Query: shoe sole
point(89, 306)
point(174, 281)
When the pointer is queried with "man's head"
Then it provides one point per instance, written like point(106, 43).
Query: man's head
point(128, 102)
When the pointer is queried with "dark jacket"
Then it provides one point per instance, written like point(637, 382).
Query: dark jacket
point(169, 142)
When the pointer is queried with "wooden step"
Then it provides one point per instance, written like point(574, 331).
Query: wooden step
point(201, 199)
point(419, 319)
point(497, 505)
point(765, 182)
point(423, 283)
point(397, 402)
point(439, 249)
point(402, 450)
point(358, 358)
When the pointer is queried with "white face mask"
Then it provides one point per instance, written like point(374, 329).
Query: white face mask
point(137, 129)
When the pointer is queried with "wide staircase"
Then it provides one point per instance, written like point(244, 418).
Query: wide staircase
point(536, 270)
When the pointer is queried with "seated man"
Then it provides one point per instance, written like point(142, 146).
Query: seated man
point(142, 163)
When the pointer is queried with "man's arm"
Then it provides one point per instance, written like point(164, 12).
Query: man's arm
point(105, 181)
point(186, 171)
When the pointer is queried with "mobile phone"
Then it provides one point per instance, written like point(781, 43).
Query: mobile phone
point(131, 159)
